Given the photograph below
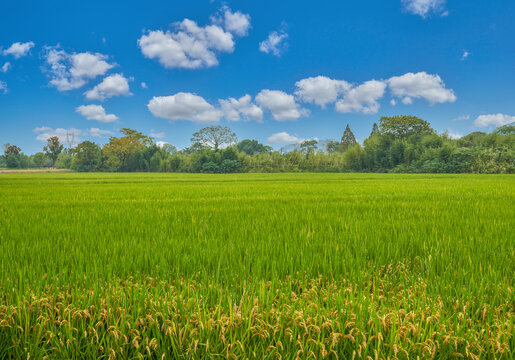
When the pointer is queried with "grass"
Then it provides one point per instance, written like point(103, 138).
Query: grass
point(273, 266)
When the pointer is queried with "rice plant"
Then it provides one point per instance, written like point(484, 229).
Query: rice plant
point(257, 266)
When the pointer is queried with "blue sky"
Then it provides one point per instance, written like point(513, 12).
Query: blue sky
point(278, 72)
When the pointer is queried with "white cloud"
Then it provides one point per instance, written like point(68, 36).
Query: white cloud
point(157, 135)
point(144, 85)
point(41, 129)
point(320, 90)
point(493, 119)
point(452, 134)
point(275, 43)
point(18, 49)
point(281, 104)
point(424, 8)
point(461, 118)
point(184, 106)
point(192, 46)
point(45, 132)
point(465, 55)
point(96, 112)
point(112, 85)
point(420, 85)
point(96, 132)
point(73, 135)
point(3, 87)
point(236, 109)
point(284, 138)
point(393, 102)
point(72, 71)
point(235, 22)
point(362, 98)
point(161, 143)
point(5, 68)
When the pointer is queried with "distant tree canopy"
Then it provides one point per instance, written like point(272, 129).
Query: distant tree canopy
point(251, 147)
point(53, 148)
point(399, 144)
point(87, 156)
point(214, 137)
point(404, 126)
point(348, 139)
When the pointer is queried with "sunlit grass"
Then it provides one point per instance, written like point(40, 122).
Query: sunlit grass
point(257, 266)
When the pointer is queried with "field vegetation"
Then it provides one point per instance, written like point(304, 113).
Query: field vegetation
point(257, 266)
point(399, 144)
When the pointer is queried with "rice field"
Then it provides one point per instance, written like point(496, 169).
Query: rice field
point(257, 266)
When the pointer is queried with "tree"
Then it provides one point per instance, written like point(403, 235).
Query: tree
point(251, 147)
point(332, 146)
point(53, 148)
point(39, 159)
point(308, 146)
point(506, 129)
point(214, 136)
point(348, 139)
point(11, 150)
point(119, 150)
point(404, 126)
point(12, 156)
point(375, 130)
point(87, 156)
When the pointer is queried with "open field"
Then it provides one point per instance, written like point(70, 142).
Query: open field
point(272, 266)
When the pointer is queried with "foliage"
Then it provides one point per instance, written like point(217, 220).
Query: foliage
point(404, 126)
point(53, 148)
point(214, 137)
point(87, 156)
point(257, 266)
point(251, 147)
point(348, 139)
point(118, 151)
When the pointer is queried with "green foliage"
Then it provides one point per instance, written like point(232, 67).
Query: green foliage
point(214, 137)
point(53, 148)
point(133, 266)
point(64, 161)
point(251, 147)
point(86, 157)
point(404, 126)
point(348, 139)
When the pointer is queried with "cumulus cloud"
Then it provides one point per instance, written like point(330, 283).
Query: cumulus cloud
point(236, 109)
point(284, 138)
point(184, 106)
point(234, 22)
point(72, 71)
point(112, 85)
point(425, 8)
point(73, 135)
point(18, 49)
point(320, 90)
point(465, 55)
point(96, 132)
point(281, 104)
point(96, 112)
point(157, 135)
point(452, 134)
point(363, 98)
point(275, 43)
point(144, 85)
point(420, 85)
point(5, 68)
point(3, 87)
point(191, 46)
point(461, 118)
point(45, 132)
point(493, 119)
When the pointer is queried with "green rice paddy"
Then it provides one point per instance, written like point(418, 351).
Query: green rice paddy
point(257, 266)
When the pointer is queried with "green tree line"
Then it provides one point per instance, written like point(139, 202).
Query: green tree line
point(404, 144)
